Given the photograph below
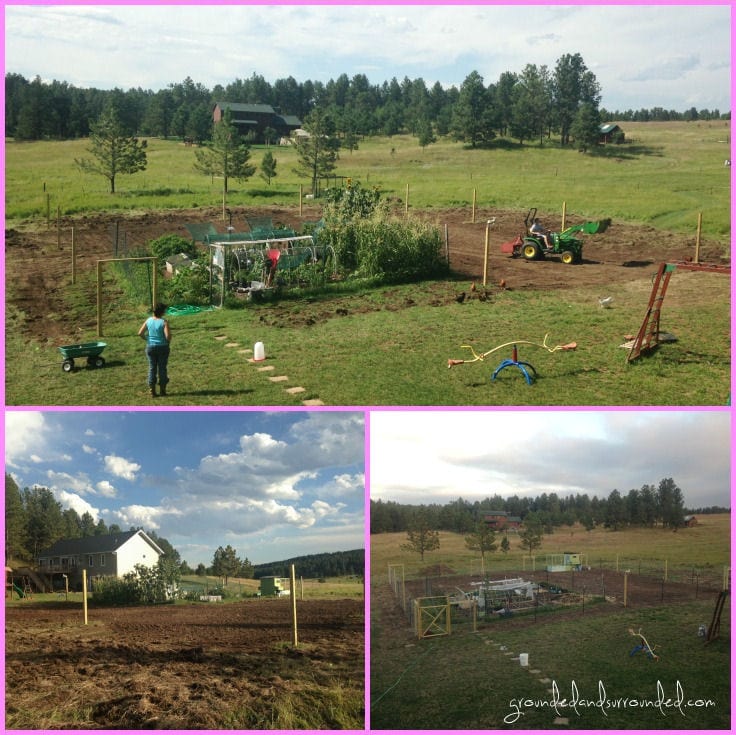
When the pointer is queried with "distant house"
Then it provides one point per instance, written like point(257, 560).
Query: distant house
point(610, 133)
point(255, 118)
point(111, 555)
point(499, 520)
point(689, 521)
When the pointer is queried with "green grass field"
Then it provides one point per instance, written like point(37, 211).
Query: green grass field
point(371, 357)
point(706, 545)
point(474, 680)
point(664, 177)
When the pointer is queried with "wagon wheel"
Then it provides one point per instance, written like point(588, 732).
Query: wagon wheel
point(568, 257)
point(97, 361)
point(68, 365)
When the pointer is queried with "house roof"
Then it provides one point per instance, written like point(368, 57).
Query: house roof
point(247, 108)
point(501, 514)
point(241, 110)
point(608, 128)
point(95, 544)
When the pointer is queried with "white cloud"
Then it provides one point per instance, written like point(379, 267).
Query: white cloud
point(25, 435)
point(419, 457)
point(60, 481)
point(148, 517)
point(344, 486)
point(121, 467)
point(88, 450)
point(148, 46)
point(267, 468)
point(106, 490)
point(73, 501)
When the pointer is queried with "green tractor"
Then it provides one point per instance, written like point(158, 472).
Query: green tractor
point(535, 246)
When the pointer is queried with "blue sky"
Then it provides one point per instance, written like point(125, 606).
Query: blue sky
point(433, 456)
point(656, 55)
point(273, 485)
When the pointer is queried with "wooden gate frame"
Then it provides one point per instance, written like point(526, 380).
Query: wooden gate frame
point(435, 612)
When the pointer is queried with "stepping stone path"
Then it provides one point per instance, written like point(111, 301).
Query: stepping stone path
point(559, 721)
point(293, 390)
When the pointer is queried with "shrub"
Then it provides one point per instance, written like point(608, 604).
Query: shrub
point(350, 202)
point(144, 586)
point(189, 285)
point(168, 245)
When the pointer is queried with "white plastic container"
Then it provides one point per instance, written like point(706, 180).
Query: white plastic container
point(259, 352)
point(524, 659)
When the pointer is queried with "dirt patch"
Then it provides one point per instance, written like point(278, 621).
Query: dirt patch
point(211, 666)
point(38, 261)
point(642, 590)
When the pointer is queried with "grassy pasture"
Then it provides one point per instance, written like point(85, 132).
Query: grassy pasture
point(706, 545)
point(376, 358)
point(664, 177)
point(474, 680)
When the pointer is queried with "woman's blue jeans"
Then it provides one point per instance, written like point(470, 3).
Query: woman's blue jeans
point(158, 358)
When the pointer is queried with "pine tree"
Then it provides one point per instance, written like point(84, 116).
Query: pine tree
point(227, 156)
point(113, 151)
point(317, 153)
point(420, 536)
point(225, 562)
point(482, 539)
point(268, 167)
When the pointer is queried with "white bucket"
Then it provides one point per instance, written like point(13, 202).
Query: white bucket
point(524, 659)
point(259, 352)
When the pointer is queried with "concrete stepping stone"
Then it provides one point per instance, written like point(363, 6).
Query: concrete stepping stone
point(266, 368)
point(279, 378)
point(221, 337)
point(313, 402)
point(296, 390)
point(231, 344)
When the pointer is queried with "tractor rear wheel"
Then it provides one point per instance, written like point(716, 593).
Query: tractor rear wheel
point(531, 251)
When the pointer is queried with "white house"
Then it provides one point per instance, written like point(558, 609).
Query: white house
point(112, 555)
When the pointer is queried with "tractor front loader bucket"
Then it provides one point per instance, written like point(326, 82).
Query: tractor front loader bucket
point(592, 228)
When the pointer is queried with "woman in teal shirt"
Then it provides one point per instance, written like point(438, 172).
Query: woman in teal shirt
point(155, 330)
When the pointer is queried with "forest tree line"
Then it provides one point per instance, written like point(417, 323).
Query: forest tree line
point(315, 566)
point(532, 103)
point(34, 520)
point(659, 505)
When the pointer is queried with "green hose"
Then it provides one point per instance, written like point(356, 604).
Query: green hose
point(185, 309)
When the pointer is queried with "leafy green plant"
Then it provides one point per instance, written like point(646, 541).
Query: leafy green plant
point(168, 245)
point(189, 285)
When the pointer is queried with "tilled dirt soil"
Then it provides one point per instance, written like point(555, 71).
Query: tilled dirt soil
point(38, 261)
point(642, 590)
point(177, 667)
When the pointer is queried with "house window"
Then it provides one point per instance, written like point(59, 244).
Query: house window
point(102, 560)
point(90, 561)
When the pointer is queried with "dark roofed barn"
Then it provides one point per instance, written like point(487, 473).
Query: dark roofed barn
point(255, 118)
